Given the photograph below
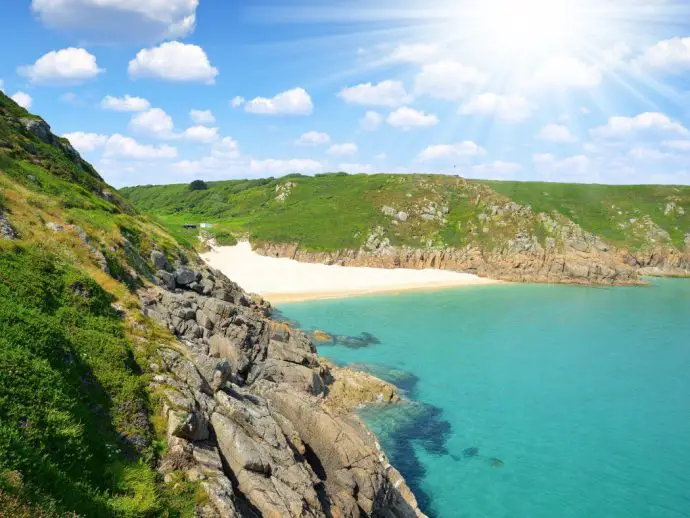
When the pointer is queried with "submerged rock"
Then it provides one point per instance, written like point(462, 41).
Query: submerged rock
point(495, 462)
point(470, 452)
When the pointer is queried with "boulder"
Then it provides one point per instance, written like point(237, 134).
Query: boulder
point(159, 261)
point(6, 230)
point(185, 276)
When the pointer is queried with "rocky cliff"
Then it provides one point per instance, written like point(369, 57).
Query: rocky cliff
point(248, 413)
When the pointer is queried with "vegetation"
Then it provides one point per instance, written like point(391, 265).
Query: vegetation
point(75, 433)
point(198, 185)
point(339, 211)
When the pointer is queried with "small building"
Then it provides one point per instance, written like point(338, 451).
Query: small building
point(189, 227)
point(205, 225)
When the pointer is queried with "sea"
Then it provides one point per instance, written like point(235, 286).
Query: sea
point(534, 401)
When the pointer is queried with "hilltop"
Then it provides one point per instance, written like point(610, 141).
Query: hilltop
point(136, 381)
point(544, 232)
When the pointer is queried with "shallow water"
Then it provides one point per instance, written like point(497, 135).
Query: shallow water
point(582, 394)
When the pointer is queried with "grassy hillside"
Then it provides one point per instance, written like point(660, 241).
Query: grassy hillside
point(337, 211)
point(76, 433)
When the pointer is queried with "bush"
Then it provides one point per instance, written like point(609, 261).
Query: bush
point(198, 185)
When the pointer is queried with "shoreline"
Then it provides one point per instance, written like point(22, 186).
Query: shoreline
point(282, 280)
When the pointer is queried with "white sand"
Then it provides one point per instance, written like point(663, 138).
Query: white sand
point(283, 280)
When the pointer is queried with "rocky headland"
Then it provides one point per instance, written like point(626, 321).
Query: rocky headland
point(253, 413)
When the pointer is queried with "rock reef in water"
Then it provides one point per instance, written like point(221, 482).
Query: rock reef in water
point(256, 416)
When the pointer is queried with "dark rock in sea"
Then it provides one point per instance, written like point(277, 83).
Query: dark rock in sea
point(470, 452)
point(357, 342)
point(495, 462)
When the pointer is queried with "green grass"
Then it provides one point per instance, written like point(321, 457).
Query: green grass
point(338, 211)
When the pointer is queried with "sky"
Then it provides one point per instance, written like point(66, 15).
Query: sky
point(168, 91)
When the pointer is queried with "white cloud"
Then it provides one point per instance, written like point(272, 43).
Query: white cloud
point(573, 164)
point(645, 153)
point(415, 53)
point(356, 168)
point(66, 66)
point(118, 20)
point(371, 121)
point(86, 142)
point(670, 56)
point(227, 148)
point(618, 127)
point(448, 80)
point(173, 61)
point(381, 156)
point(272, 166)
point(466, 149)
point(154, 122)
point(567, 72)
point(125, 104)
point(200, 134)
point(348, 148)
point(496, 170)
point(556, 133)
point(313, 138)
point(201, 117)
point(126, 147)
point(385, 93)
point(292, 102)
point(118, 146)
point(237, 101)
point(678, 145)
point(407, 118)
point(511, 108)
point(23, 99)
point(2, 86)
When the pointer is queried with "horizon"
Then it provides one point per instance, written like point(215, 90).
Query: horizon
point(559, 92)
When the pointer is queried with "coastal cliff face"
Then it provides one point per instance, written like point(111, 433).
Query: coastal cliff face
point(527, 232)
point(248, 413)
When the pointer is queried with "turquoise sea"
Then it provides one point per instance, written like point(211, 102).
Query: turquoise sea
point(577, 400)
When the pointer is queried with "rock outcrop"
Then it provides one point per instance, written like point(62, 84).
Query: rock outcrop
point(580, 259)
point(246, 400)
point(6, 230)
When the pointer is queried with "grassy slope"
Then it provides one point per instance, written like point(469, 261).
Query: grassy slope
point(72, 392)
point(331, 212)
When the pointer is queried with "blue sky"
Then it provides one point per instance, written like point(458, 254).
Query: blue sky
point(164, 91)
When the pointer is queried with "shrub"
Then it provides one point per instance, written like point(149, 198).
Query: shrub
point(198, 185)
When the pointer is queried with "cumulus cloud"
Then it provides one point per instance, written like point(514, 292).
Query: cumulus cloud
point(678, 145)
point(154, 122)
point(174, 61)
point(465, 149)
point(23, 99)
point(119, 146)
point(291, 102)
point(415, 53)
point(511, 108)
point(348, 148)
point(407, 118)
point(620, 127)
point(237, 101)
point(556, 133)
point(125, 104)
point(86, 142)
point(386, 93)
point(448, 80)
point(669, 56)
point(313, 138)
point(272, 166)
point(119, 20)
point(201, 117)
point(200, 134)
point(567, 72)
point(371, 121)
point(65, 66)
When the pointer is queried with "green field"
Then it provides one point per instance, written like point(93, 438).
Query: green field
point(338, 211)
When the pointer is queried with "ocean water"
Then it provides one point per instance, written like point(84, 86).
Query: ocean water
point(577, 400)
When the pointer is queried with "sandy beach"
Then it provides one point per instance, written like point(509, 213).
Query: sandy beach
point(285, 280)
